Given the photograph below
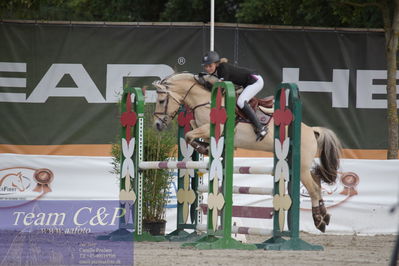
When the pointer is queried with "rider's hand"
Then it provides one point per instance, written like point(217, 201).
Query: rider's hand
point(208, 85)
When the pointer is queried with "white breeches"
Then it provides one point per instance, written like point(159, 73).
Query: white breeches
point(250, 91)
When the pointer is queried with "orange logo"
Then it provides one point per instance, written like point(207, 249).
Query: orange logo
point(336, 194)
point(23, 183)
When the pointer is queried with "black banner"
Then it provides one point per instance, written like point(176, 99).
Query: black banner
point(59, 83)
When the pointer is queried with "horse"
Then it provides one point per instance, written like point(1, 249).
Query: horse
point(184, 88)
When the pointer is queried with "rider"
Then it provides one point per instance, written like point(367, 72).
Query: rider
point(252, 83)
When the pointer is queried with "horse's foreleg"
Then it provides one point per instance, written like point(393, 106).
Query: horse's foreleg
point(200, 132)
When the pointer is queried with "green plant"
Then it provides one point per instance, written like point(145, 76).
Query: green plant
point(157, 147)
point(116, 154)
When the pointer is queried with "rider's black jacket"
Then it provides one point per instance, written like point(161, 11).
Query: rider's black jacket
point(238, 75)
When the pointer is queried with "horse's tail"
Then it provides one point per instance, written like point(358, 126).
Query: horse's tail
point(329, 149)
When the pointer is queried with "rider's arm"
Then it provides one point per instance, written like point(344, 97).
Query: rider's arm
point(223, 72)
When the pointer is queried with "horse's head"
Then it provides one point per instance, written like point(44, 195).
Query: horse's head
point(167, 105)
point(171, 94)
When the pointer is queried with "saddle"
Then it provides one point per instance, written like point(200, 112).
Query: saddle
point(263, 108)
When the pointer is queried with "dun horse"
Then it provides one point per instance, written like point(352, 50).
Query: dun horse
point(182, 88)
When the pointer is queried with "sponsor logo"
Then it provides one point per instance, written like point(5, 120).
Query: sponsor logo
point(13, 183)
point(23, 183)
point(370, 84)
point(336, 194)
point(85, 87)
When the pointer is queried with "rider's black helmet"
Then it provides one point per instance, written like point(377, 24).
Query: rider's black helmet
point(210, 57)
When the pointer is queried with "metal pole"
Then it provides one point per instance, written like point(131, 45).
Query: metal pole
point(212, 25)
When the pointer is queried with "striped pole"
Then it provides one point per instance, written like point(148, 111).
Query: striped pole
point(247, 211)
point(242, 190)
point(241, 230)
point(173, 165)
point(255, 170)
point(203, 166)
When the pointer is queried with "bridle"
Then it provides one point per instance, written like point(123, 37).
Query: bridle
point(165, 114)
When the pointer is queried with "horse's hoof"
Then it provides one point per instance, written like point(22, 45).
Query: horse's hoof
point(323, 212)
point(321, 226)
point(198, 147)
point(203, 151)
point(319, 223)
point(320, 220)
point(326, 218)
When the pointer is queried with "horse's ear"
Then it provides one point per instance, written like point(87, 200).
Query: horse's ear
point(157, 84)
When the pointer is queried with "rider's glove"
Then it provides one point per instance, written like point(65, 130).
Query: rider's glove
point(208, 85)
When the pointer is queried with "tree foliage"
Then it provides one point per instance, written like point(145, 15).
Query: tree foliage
point(83, 10)
point(199, 10)
point(358, 14)
point(322, 13)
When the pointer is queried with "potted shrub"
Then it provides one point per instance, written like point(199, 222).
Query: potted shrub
point(157, 147)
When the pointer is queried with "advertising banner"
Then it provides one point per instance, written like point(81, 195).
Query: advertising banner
point(54, 209)
point(360, 202)
point(60, 83)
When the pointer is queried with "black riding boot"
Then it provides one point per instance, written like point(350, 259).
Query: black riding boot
point(260, 130)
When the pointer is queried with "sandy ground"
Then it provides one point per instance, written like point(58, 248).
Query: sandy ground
point(338, 250)
point(52, 249)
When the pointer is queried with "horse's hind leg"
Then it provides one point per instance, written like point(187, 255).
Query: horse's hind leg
point(314, 191)
point(308, 151)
